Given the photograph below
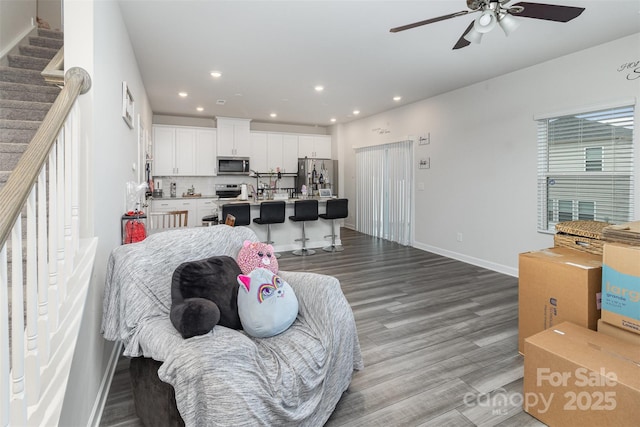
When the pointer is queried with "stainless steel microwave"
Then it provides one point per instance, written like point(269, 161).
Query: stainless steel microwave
point(233, 166)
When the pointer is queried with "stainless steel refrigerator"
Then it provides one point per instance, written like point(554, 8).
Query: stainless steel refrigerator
point(317, 174)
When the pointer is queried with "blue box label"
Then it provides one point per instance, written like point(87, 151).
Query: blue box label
point(620, 293)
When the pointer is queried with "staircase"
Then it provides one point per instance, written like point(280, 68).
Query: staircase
point(39, 212)
point(25, 97)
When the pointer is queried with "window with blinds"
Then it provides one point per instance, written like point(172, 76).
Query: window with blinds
point(585, 167)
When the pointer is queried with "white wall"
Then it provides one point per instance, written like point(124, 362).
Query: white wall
point(17, 19)
point(482, 180)
point(51, 12)
point(96, 39)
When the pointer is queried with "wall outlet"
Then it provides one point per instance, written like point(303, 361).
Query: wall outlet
point(459, 237)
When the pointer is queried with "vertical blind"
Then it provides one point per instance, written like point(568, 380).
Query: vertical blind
point(384, 175)
point(585, 167)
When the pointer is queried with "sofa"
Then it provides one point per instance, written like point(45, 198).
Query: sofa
point(226, 377)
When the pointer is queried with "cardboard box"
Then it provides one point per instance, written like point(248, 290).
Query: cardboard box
point(614, 331)
point(621, 286)
point(557, 285)
point(577, 377)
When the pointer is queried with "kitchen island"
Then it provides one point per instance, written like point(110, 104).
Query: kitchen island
point(284, 235)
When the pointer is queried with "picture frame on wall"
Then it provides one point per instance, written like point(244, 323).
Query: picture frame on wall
point(128, 105)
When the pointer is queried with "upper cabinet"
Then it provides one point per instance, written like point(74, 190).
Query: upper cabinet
point(285, 147)
point(259, 151)
point(270, 150)
point(314, 146)
point(206, 152)
point(233, 137)
point(183, 151)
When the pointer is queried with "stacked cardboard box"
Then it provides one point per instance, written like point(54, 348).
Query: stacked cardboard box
point(557, 285)
point(628, 233)
point(573, 375)
point(580, 235)
point(577, 377)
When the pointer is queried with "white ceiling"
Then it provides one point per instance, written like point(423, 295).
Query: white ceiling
point(272, 53)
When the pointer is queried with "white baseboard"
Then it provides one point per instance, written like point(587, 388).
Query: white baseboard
point(105, 385)
point(510, 271)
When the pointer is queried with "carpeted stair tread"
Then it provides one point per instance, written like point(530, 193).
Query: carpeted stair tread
point(27, 62)
point(52, 34)
point(7, 125)
point(17, 75)
point(46, 42)
point(27, 92)
point(10, 154)
point(37, 51)
point(17, 131)
point(23, 110)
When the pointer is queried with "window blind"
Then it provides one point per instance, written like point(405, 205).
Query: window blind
point(585, 167)
point(383, 191)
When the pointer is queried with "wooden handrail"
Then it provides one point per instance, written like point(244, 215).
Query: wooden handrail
point(53, 73)
point(16, 190)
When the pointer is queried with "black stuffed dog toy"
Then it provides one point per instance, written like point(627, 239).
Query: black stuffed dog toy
point(204, 293)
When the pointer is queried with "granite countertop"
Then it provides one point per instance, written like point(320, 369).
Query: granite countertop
point(204, 196)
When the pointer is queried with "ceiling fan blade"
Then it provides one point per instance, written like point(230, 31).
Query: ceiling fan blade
point(549, 12)
point(462, 42)
point(429, 21)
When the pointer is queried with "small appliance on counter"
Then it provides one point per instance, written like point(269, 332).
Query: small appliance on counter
point(173, 189)
point(228, 191)
point(157, 188)
point(244, 194)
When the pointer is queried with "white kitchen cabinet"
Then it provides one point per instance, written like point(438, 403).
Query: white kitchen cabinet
point(205, 207)
point(259, 152)
point(290, 153)
point(165, 205)
point(184, 151)
point(314, 146)
point(283, 152)
point(164, 148)
point(206, 152)
point(233, 137)
point(270, 150)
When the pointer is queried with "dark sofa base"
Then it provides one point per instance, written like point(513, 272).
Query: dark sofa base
point(155, 400)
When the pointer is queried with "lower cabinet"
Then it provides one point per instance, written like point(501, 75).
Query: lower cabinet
point(205, 207)
point(197, 207)
point(165, 205)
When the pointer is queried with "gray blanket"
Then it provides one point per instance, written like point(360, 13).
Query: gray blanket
point(226, 377)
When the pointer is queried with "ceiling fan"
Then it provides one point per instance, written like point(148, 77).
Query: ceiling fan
point(495, 12)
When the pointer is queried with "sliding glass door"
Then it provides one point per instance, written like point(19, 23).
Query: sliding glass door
point(384, 175)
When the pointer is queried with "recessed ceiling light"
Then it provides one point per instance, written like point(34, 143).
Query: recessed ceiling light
point(216, 74)
point(333, 120)
point(319, 88)
point(200, 109)
point(183, 94)
point(356, 112)
point(397, 98)
point(273, 115)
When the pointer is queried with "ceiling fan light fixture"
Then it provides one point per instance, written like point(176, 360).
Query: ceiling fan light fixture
point(485, 22)
point(473, 36)
point(508, 23)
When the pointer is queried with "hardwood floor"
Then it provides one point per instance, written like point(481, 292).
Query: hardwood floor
point(439, 339)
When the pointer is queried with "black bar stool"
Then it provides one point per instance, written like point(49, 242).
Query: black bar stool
point(304, 210)
point(271, 213)
point(336, 209)
point(241, 211)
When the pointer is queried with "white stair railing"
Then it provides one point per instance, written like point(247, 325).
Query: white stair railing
point(44, 273)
